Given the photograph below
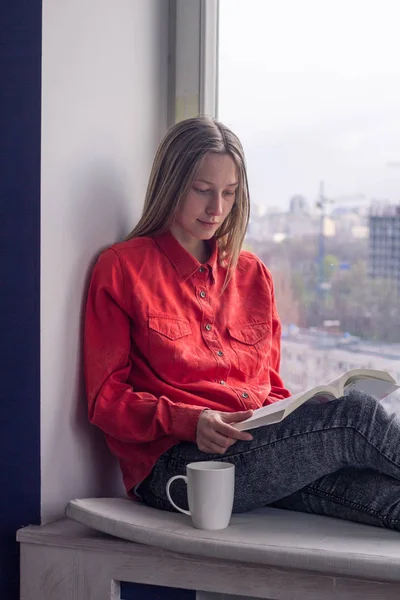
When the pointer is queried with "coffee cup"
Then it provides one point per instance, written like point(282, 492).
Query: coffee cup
point(210, 489)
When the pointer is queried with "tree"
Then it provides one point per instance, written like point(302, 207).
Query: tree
point(365, 307)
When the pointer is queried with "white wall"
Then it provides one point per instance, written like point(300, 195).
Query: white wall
point(104, 110)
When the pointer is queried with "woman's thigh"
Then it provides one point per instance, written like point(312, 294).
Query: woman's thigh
point(312, 442)
point(360, 495)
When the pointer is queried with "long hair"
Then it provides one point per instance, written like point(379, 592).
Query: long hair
point(174, 169)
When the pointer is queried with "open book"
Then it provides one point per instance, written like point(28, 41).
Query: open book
point(376, 383)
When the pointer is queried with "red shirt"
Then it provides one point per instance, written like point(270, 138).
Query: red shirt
point(162, 344)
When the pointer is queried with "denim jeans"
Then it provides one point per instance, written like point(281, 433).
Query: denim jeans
point(340, 459)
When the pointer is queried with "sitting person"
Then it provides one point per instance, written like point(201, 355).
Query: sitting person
point(182, 341)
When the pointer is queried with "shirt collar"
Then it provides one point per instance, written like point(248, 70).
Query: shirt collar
point(185, 263)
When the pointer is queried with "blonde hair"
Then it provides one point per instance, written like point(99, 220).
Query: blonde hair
point(174, 168)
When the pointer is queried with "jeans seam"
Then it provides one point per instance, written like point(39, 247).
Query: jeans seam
point(350, 504)
point(269, 443)
point(281, 439)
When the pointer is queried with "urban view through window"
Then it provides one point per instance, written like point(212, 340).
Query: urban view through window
point(313, 91)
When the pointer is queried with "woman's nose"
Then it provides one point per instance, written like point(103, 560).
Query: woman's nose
point(215, 205)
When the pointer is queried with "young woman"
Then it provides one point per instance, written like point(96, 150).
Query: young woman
point(182, 340)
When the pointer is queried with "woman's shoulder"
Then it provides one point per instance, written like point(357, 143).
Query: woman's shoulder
point(251, 263)
point(127, 256)
point(132, 250)
point(133, 244)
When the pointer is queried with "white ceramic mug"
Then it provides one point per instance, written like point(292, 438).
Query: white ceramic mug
point(211, 487)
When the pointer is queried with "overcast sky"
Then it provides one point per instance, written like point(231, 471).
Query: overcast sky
point(312, 88)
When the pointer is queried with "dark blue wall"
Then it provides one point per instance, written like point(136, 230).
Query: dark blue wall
point(20, 99)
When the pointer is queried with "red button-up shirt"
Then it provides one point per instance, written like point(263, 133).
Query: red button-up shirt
point(162, 344)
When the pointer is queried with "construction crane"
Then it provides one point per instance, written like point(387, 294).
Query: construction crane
point(322, 203)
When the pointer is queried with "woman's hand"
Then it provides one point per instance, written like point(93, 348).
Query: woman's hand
point(214, 432)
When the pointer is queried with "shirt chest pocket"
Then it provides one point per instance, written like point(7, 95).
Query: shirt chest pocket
point(251, 343)
point(172, 350)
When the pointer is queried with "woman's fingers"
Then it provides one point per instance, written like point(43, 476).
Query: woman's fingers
point(218, 443)
point(216, 435)
point(231, 432)
point(212, 448)
point(220, 440)
point(237, 417)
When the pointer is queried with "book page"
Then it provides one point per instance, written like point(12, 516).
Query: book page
point(278, 406)
point(284, 407)
point(350, 377)
point(358, 374)
point(374, 387)
point(270, 419)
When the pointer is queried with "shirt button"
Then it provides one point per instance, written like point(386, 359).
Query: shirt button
point(203, 294)
point(220, 353)
point(208, 327)
point(202, 269)
point(222, 382)
point(245, 395)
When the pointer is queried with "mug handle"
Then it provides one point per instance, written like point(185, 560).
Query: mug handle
point(182, 510)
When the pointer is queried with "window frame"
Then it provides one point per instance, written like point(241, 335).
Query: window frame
point(193, 59)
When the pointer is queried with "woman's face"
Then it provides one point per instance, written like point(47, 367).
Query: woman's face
point(208, 202)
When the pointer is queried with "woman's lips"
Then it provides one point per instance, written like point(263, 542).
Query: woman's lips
point(207, 223)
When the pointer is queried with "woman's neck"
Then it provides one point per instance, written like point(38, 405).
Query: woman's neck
point(202, 252)
point(200, 249)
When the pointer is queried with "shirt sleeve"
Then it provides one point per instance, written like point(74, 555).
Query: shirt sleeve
point(125, 414)
point(278, 390)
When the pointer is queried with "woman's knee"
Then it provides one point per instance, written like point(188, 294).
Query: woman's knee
point(359, 405)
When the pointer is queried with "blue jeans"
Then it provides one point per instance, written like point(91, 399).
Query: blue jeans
point(340, 459)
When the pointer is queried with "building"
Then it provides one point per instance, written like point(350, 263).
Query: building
point(277, 226)
point(350, 222)
point(384, 242)
point(310, 358)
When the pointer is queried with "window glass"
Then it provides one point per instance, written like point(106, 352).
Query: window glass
point(313, 90)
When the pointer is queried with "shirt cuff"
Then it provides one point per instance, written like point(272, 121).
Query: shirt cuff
point(184, 422)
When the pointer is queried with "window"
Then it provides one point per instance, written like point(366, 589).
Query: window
point(313, 90)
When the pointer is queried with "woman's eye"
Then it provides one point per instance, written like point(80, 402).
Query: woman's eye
point(208, 191)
